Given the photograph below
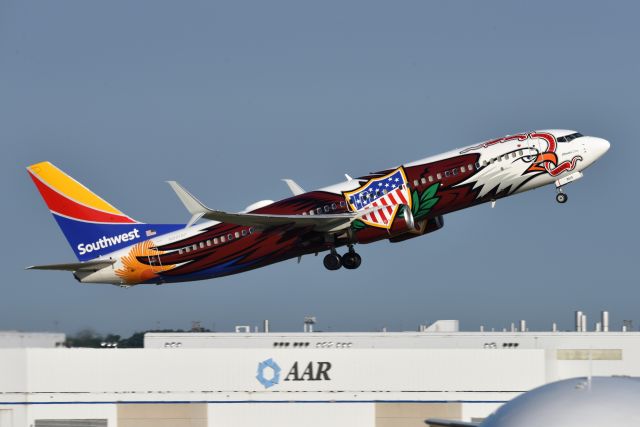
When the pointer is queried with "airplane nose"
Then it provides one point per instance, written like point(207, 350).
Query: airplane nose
point(600, 146)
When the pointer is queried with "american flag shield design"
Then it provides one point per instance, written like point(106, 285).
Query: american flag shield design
point(386, 193)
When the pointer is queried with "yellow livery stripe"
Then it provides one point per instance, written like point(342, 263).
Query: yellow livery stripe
point(69, 187)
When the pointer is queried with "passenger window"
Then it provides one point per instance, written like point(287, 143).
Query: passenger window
point(430, 178)
point(513, 155)
point(304, 213)
point(326, 208)
point(470, 167)
point(343, 204)
point(222, 239)
point(415, 183)
point(201, 245)
point(180, 251)
point(319, 211)
point(423, 180)
point(521, 153)
point(215, 241)
point(454, 171)
point(311, 212)
point(251, 230)
point(187, 249)
point(229, 237)
point(447, 174)
point(237, 234)
point(484, 163)
point(208, 242)
point(334, 206)
point(439, 176)
point(195, 247)
point(244, 232)
point(463, 169)
point(478, 166)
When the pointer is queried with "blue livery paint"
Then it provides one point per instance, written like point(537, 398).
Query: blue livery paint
point(224, 269)
point(90, 240)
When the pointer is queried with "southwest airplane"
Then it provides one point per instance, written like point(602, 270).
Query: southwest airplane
point(396, 204)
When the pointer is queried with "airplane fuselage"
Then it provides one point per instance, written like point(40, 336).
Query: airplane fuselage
point(429, 188)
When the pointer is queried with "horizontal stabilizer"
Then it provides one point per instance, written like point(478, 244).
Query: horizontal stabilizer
point(436, 422)
point(75, 266)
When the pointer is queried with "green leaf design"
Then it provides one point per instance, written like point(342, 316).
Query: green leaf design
point(427, 201)
point(430, 203)
point(358, 225)
point(415, 201)
point(430, 192)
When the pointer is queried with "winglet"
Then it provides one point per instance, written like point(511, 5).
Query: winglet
point(346, 175)
point(193, 205)
point(295, 188)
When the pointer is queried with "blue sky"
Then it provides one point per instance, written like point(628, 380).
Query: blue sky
point(230, 97)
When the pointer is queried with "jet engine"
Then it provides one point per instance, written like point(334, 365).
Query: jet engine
point(419, 228)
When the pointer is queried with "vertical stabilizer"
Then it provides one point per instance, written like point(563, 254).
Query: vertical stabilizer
point(92, 226)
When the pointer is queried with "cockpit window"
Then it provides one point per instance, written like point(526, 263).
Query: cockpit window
point(570, 138)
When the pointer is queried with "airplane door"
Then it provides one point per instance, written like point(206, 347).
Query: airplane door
point(534, 147)
point(154, 260)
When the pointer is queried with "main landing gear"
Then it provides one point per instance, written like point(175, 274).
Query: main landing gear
point(351, 260)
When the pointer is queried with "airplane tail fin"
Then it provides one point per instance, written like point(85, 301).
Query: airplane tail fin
point(92, 226)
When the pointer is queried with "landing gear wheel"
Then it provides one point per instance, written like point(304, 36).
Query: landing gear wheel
point(351, 260)
point(332, 261)
point(561, 198)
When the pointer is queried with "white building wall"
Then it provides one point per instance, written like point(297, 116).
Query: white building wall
point(13, 370)
point(99, 371)
point(14, 339)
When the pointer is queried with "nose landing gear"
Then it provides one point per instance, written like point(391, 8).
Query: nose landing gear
point(351, 260)
point(561, 196)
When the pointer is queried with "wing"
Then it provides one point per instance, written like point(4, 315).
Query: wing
point(75, 266)
point(332, 222)
point(321, 223)
point(436, 422)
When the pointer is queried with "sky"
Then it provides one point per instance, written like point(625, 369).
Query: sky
point(228, 98)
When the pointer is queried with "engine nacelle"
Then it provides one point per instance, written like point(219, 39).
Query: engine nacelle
point(257, 205)
point(420, 228)
point(403, 223)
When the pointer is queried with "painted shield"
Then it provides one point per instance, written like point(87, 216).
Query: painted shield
point(386, 193)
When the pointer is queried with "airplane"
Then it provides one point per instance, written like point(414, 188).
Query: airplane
point(395, 204)
point(574, 402)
